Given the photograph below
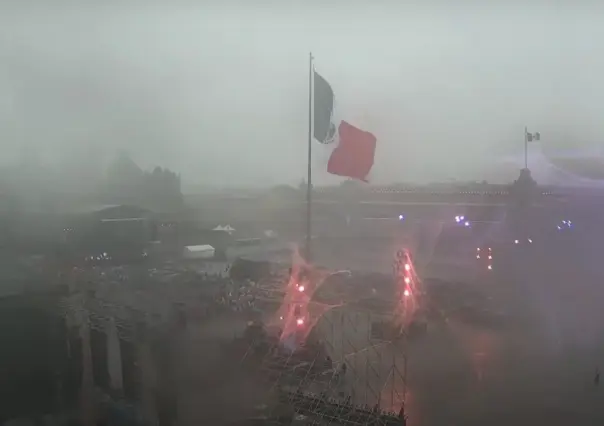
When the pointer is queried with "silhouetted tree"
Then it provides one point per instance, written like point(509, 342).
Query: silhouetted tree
point(162, 188)
point(158, 189)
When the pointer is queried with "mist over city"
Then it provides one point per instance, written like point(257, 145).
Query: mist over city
point(301, 213)
point(446, 90)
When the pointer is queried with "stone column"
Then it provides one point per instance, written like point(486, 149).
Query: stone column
point(87, 405)
point(148, 377)
point(114, 358)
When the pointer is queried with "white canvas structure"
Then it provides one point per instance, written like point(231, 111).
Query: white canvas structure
point(226, 228)
point(269, 233)
point(199, 252)
point(114, 357)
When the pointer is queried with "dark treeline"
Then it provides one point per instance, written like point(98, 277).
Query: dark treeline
point(34, 189)
point(35, 200)
point(127, 183)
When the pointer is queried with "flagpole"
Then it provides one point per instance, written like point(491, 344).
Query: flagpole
point(525, 147)
point(309, 164)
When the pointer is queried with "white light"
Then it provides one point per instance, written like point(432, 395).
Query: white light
point(300, 321)
point(457, 219)
point(281, 318)
point(407, 267)
point(477, 248)
point(489, 248)
point(401, 217)
point(530, 241)
point(407, 280)
point(516, 241)
point(301, 288)
point(490, 267)
point(462, 217)
point(559, 227)
point(490, 257)
point(477, 256)
point(406, 293)
point(467, 224)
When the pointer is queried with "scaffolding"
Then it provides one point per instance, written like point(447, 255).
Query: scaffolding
point(351, 367)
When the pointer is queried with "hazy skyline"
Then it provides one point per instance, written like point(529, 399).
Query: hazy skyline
point(220, 93)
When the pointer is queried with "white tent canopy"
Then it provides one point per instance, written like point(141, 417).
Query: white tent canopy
point(225, 228)
point(199, 252)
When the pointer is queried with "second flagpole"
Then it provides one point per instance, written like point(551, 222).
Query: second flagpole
point(308, 251)
point(525, 147)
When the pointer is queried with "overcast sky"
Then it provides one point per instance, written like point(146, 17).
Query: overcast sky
point(220, 93)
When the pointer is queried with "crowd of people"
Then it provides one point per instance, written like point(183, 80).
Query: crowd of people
point(199, 292)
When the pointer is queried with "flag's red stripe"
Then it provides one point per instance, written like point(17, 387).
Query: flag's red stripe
point(355, 153)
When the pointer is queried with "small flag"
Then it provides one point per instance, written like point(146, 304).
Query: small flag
point(530, 137)
point(354, 154)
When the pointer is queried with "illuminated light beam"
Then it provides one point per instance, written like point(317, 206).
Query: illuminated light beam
point(410, 296)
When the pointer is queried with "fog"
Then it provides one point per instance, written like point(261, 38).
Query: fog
point(220, 93)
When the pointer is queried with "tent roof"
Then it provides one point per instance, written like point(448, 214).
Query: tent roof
point(104, 210)
point(204, 247)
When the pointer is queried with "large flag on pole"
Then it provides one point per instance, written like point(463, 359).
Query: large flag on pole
point(353, 149)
